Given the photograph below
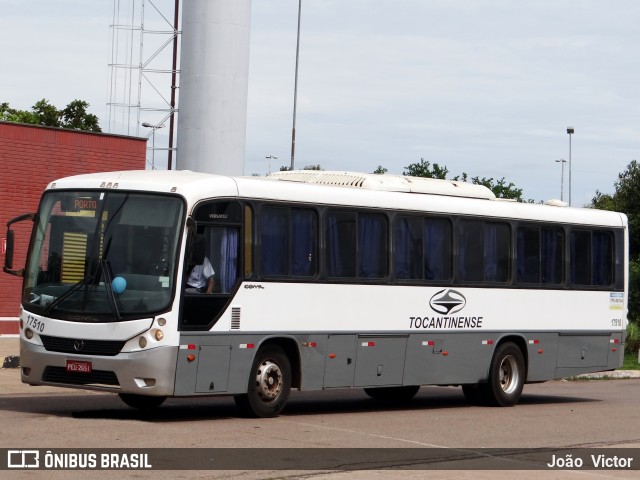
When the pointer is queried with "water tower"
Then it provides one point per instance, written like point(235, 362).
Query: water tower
point(214, 71)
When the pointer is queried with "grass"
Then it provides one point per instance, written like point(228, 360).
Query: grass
point(630, 362)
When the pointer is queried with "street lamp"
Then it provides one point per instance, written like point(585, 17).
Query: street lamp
point(562, 161)
point(269, 157)
point(295, 91)
point(153, 141)
point(570, 131)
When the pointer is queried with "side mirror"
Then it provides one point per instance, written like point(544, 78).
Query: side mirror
point(8, 257)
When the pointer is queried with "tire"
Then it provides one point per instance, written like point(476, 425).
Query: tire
point(506, 376)
point(476, 394)
point(393, 393)
point(269, 384)
point(142, 402)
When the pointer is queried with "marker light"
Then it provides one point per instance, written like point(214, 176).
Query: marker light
point(28, 333)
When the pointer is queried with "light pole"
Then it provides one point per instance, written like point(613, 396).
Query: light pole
point(153, 141)
point(570, 131)
point(295, 92)
point(562, 161)
point(269, 157)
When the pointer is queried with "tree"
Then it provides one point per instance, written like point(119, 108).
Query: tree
point(500, 188)
point(626, 199)
point(380, 170)
point(74, 116)
point(423, 169)
point(46, 114)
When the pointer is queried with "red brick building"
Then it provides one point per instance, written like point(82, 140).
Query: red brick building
point(31, 157)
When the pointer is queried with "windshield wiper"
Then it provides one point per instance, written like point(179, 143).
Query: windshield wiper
point(108, 279)
point(74, 288)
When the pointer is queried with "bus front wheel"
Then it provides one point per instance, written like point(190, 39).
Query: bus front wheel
point(269, 384)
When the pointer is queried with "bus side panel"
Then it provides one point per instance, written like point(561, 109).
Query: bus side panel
point(220, 363)
point(542, 355)
point(380, 360)
point(446, 358)
point(340, 366)
point(580, 353)
point(313, 355)
point(616, 352)
point(213, 368)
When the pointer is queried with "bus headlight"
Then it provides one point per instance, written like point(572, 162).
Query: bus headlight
point(159, 335)
point(28, 333)
point(142, 342)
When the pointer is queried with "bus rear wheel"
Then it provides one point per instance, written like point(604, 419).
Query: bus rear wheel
point(269, 384)
point(505, 382)
point(142, 402)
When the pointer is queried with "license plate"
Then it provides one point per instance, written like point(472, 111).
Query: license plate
point(79, 366)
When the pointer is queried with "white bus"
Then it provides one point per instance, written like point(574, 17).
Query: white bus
point(322, 280)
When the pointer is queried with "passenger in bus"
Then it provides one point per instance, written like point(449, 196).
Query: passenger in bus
point(201, 273)
point(201, 278)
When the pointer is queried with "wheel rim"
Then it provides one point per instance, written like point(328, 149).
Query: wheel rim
point(509, 374)
point(269, 381)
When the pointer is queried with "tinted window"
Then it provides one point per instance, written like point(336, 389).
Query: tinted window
point(422, 248)
point(356, 244)
point(540, 255)
point(288, 241)
point(483, 251)
point(591, 257)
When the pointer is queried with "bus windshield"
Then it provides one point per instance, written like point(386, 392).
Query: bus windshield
point(103, 256)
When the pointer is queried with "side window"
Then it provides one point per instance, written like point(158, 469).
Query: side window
point(340, 231)
point(539, 253)
point(423, 248)
point(437, 249)
point(580, 257)
point(222, 251)
point(274, 241)
point(591, 257)
point(483, 251)
point(288, 241)
point(356, 245)
point(372, 245)
point(602, 257)
point(304, 242)
point(408, 247)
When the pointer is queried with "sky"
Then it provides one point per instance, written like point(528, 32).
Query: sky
point(484, 87)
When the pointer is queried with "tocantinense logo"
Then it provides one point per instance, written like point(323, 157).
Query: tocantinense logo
point(447, 301)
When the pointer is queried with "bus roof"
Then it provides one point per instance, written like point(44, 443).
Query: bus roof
point(341, 188)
